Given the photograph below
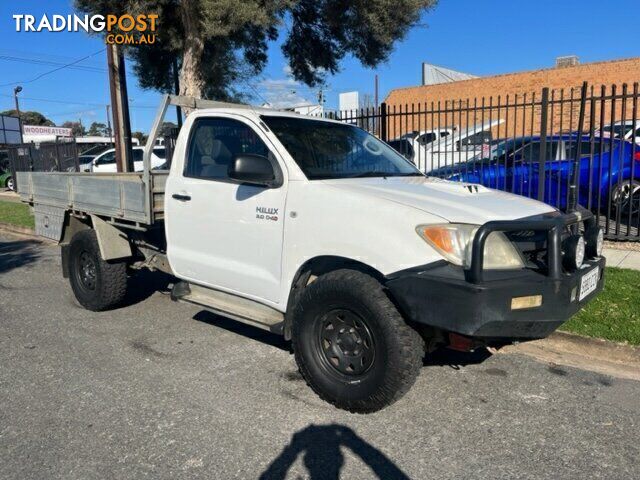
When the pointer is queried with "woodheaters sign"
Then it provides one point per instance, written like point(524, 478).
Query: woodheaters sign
point(43, 130)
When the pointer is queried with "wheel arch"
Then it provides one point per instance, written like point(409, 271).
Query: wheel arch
point(314, 267)
point(114, 243)
point(71, 225)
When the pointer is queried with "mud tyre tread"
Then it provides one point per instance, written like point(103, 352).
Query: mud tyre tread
point(110, 279)
point(399, 348)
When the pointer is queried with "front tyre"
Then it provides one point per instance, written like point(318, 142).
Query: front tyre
point(97, 284)
point(351, 344)
point(10, 184)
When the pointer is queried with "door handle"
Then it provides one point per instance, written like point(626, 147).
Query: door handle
point(181, 197)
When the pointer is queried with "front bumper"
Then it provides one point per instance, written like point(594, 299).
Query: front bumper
point(440, 296)
point(478, 302)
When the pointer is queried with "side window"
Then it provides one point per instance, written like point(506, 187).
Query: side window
point(137, 154)
point(530, 153)
point(479, 138)
point(585, 149)
point(160, 152)
point(213, 144)
point(107, 158)
point(426, 138)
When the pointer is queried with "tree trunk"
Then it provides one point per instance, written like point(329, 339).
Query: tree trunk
point(191, 82)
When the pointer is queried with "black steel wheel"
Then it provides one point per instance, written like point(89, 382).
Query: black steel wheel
point(97, 284)
point(352, 345)
point(345, 342)
point(86, 271)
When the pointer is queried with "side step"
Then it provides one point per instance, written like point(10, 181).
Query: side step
point(231, 306)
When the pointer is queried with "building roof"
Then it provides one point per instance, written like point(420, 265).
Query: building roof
point(434, 75)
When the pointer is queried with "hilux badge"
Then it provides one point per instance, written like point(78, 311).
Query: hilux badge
point(267, 213)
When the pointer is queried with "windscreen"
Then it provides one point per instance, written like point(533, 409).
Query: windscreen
point(331, 150)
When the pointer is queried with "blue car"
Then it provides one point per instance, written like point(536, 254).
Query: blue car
point(513, 165)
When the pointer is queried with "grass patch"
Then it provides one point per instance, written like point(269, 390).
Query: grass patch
point(615, 313)
point(16, 214)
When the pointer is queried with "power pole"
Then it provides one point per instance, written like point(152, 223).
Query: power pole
point(120, 108)
point(109, 131)
point(375, 89)
point(176, 89)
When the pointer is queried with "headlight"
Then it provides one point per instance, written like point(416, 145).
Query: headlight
point(594, 237)
point(573, 249)
point(454, 242)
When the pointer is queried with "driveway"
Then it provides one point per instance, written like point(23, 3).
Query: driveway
point(158, 389)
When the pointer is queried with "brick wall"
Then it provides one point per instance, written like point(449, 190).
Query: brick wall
point(507, 89)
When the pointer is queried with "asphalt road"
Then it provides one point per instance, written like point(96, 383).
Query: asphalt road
point(162, 390)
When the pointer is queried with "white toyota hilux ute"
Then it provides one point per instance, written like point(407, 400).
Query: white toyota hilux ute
point(318, 231)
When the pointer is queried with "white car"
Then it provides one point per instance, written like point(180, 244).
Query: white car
point(622, 129)
point(106, 161)
point(433, 149)
point(425, 137)
point(316, 230)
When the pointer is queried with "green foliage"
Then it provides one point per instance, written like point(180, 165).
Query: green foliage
point(232, 37)
point(142, 138)
point(77, 128)
point(615, 313)
point(98, 129)
point(30, 118)
point(166, 128)
point(323, 32)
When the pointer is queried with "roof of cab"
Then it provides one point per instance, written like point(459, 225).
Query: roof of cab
point(260, 111)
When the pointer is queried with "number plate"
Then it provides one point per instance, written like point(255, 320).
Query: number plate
point(588, 283)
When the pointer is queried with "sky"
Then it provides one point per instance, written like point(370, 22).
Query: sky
point(482, 38)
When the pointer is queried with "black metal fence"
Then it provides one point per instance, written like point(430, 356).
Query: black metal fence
point(563, 147)
point(43, 157)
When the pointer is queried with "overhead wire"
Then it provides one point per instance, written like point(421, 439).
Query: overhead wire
point(34, 61)
point(67, 65)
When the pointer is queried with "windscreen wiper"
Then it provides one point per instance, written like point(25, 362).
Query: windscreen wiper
point(378, 173)
point(372, 173)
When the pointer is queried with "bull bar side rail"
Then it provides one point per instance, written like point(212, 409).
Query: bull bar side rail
point(554, 227)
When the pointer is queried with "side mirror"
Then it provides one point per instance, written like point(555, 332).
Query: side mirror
point(254, 170)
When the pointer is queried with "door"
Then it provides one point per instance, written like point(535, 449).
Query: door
point(220, 233)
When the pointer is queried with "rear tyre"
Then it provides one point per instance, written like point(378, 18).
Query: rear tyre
point(351, 344)
point(626, 197)
point(9, 184)
point(97, 284)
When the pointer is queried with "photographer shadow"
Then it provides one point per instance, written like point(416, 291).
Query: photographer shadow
point(320, 446)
